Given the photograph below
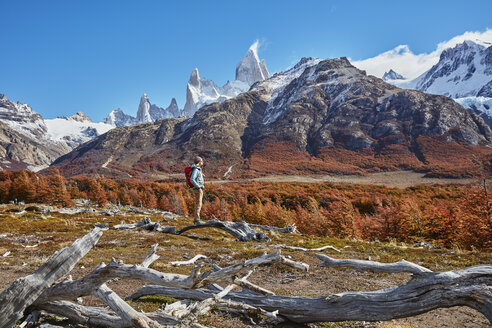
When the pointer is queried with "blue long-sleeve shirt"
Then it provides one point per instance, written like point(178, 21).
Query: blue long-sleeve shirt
point(197, 177)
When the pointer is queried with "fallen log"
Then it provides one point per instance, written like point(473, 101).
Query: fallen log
point(426, 291)
point(24, 291)
point(97, 316)
point(241, 230)
point(400, 266)
point(71, 290)
point(290, 228)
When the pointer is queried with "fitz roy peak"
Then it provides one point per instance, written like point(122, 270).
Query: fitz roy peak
point(250, 69)
point(200, 91)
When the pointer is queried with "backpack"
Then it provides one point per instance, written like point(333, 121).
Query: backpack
point(188, 172)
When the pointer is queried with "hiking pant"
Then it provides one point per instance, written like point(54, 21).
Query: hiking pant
point(198, 203)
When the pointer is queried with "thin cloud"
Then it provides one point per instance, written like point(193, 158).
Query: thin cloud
point(402, 60)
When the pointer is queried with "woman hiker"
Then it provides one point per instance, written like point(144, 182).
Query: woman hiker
point(198, 186)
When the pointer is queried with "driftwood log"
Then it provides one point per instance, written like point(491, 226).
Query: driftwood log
point(24, 291)
point(241, 230)
point(425, 291)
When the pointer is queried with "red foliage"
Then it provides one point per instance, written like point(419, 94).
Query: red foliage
point(447, 215)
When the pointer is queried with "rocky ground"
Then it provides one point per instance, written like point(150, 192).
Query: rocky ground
point(28, 236)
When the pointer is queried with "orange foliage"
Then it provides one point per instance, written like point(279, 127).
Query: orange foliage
point(446, 215)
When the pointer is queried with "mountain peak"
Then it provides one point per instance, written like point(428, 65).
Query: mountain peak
point(392, 75)
point(173, 103)
point(22, 118)
point(462, 49)
point(250, 69)
point(195, 78)
point(462, 71)
point(79, 117)
point(118, 118)
point(143, 113)
point(254, 47)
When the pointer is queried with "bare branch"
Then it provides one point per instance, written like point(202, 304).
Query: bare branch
point(310, 249)
point(125, 311)
point(189, 262)
point(400, 266)
point(244, 283)
point(151, 257)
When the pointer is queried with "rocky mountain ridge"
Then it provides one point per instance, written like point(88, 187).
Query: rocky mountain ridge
point(462, 73)
point(33, 142)
point(22, 118)
point(320, 116)
point(147, 112)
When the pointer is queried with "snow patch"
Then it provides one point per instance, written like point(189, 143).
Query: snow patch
point(480, 105)
point(73, 133)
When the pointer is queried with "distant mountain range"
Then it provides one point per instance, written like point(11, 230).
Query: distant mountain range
point(328, 115)
point(63, 134)
point(199, 92)
point(321, 116)
point(463, 73)
point(29, 141)
point(147, 112)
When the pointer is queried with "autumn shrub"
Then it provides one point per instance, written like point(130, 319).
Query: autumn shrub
point(444, 215)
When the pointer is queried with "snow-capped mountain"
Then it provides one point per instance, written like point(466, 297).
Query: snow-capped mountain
point(462, 71)
point(200, 91)
point(72, 131)
point(147, 112)
point(319, 116)
point(250, 69)
point(24, 139)
point(32, 142)
point(22, 118)
point(392, 75)
point(117, 118)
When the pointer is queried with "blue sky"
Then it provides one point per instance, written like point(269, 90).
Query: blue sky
point(64, 56)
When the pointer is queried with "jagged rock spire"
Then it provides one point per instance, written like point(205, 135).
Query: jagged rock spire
point(250, 69)
point(143, 113)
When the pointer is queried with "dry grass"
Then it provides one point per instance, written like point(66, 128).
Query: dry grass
point(59, 230)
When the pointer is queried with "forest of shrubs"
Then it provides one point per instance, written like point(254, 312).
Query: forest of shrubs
point(450, 216)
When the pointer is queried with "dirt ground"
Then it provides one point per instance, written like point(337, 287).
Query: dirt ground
point(401, 179)
point(51, 232)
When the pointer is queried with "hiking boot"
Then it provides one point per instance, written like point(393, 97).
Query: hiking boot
point(198, 222)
